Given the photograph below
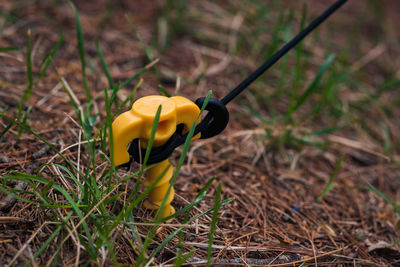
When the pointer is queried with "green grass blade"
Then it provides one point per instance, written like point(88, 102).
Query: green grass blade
point(28, 91)
point(147, 155)
point(181, 260)
point(202, 193)
point(163, 90)
point(157, 218)
point(8, 127)
point(24, 119)
point(104, 65)
point(387, 142)
point(146, 49)
point(29, 179)
point(144, 69)
point(9, 48)
point(81, 49)
point(4, 110)
point(185, 149)
point(129, 98)
point(308, 142)
point(298, 70)
point(52, 147)
point(75, 207)
point(284, 68)
point(7, 16)
point(275, 40)
point(13, 192)
point(49, 57)
point(148, 150)
point(52, 236)
point(133, 77)
point(134, 230)
point(382, 195)
point(29, 67)
point(152, 135)
point(108, 126)
point(73, 100)
point(144, 193)
point(299, 50)
point(72, 176)
point(330, 183)
point(48, 186)
point(125, 213)
point(314, 84)
point(214, 220)
point(325, 131)
point(165, 242)
point(225, 202)
point(28, 110)
point(133, 203)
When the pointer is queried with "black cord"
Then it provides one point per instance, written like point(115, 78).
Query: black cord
point(271, 61)
point(218, 117)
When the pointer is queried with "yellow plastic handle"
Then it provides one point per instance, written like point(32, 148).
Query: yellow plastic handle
point(137, 122)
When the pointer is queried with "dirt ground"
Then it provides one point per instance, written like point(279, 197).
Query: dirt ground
point(275, 218)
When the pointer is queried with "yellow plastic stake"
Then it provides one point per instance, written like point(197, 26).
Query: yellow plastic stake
point(137, 123)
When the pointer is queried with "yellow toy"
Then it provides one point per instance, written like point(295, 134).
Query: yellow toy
point(137, 123)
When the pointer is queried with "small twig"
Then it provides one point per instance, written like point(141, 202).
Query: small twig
point(41, 152)
point(9, 219)
point(80, 222)
point(66, 148)
point(197, 261)
point(9, 201)
point(193, 226)
point(356, 145)
point(27, 243)
point(370, 56)
point(78, 161)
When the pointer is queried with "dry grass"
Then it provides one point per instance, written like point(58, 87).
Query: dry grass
point(275, 179)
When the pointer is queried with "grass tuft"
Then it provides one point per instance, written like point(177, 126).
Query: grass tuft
point(330, 184)
point(28, 91)
point(214, 220)
point(81, 49)
point(104, 65)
